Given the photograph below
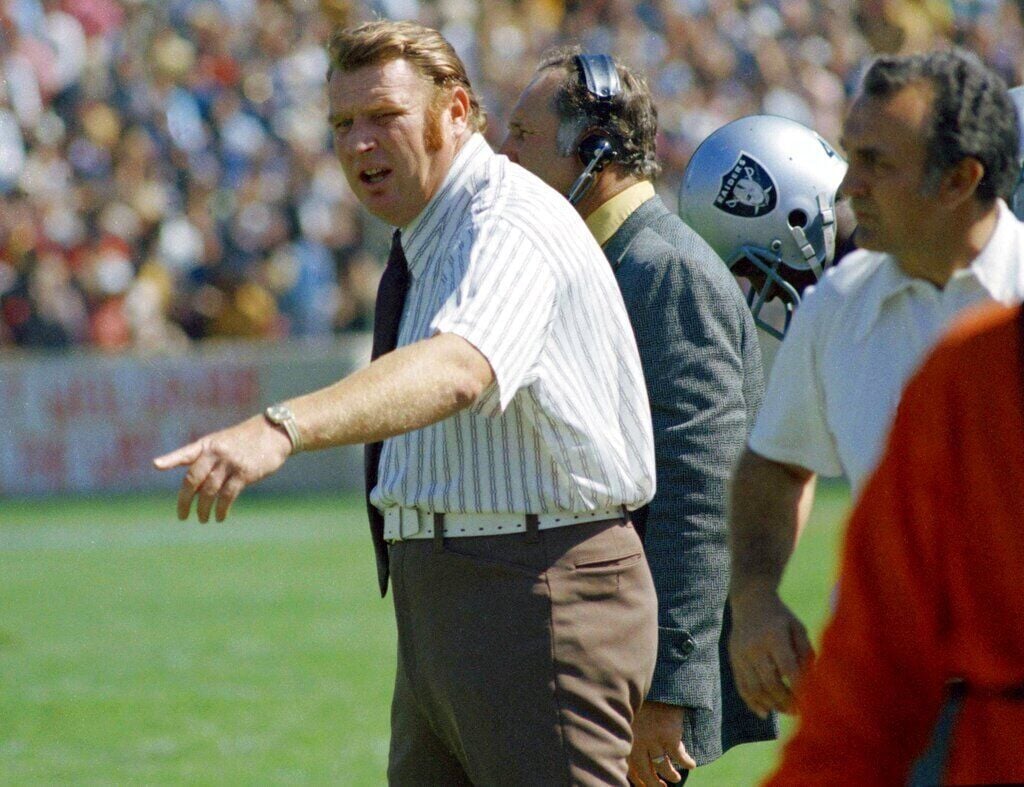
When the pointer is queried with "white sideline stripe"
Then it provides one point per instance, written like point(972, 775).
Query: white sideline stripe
point(70, 537)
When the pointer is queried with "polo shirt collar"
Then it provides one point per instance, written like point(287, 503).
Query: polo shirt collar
point(995, 269)
point(415, 234)
point(609, 217)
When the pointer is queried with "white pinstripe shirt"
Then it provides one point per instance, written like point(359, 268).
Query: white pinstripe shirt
point(504, 261)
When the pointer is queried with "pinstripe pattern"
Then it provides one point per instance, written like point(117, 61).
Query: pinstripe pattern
point(502, 260)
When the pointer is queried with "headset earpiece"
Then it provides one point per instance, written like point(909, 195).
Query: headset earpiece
point(595, 145)
point(595, 148)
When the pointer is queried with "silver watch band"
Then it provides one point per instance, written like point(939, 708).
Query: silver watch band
point(280, 415)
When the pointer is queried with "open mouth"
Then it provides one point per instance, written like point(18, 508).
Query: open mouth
point(374, 176)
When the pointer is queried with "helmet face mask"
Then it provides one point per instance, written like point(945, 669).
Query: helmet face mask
point(761, 269)
point(761, 191)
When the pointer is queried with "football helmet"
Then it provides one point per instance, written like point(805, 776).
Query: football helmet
point(1017, 200)
point(761, 191)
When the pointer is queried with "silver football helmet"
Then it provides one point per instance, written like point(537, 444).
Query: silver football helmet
point(762, 192)
point(1017, 201)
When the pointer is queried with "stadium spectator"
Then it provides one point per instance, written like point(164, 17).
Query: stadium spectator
point(167, 172)
point(227, 96)
point(924, 658)
point(927, 180)
point(699, 351)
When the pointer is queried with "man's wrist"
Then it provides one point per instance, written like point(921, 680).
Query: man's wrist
point(752, 592)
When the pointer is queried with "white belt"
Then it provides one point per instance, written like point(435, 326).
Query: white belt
point(401, 524)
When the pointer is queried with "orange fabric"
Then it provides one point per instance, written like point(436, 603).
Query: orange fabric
point(931, 582)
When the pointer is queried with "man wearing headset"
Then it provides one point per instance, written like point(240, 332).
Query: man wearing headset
point(586, 125)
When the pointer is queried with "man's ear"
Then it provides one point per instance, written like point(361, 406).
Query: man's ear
point(459, 108)
point(960, 182)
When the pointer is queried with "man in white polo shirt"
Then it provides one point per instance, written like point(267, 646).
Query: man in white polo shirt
point(932, 145)
point(510, 429)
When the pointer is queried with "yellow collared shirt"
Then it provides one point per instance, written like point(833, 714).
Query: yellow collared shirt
point(606, 220)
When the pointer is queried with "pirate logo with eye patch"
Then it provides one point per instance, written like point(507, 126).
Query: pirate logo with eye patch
point(747, 189)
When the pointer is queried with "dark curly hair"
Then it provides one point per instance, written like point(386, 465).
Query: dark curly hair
point(630, 118)
point(972, 115)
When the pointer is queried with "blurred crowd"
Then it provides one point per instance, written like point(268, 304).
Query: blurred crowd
point(166, 172)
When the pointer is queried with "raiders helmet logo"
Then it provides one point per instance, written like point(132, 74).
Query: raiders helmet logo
point(747, 189)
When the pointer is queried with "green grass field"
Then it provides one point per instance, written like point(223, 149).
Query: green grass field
point(137, 649)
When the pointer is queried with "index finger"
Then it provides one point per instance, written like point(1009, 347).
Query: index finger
point(185, 455)
point(683, 758)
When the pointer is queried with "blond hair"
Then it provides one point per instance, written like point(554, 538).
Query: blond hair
point(381, 41)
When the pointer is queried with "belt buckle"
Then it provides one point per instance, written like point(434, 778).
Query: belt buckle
point(409, 522)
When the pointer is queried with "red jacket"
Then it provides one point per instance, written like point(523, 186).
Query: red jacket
point(932, 582)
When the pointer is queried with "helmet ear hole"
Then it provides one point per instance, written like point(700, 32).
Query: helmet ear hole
point(797, 218)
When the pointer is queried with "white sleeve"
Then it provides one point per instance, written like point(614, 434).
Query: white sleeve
point(792, 426)
point(503, 306)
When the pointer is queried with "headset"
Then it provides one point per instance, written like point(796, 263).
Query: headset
point(596, 148)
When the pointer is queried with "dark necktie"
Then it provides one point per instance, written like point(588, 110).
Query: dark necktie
point(394, 286)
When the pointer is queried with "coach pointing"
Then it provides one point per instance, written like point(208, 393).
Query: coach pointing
point(515, 433)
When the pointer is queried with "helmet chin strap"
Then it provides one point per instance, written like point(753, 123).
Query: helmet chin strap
point(768, 263)
point(585, 182)
point(828, 226)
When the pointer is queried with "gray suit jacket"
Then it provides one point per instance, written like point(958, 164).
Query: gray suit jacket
point(702, 363)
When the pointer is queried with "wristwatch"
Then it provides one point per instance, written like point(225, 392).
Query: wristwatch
point(280, 415)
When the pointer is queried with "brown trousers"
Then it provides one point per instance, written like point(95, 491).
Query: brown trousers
point(520, 662)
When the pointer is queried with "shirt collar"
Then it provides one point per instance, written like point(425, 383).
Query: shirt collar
point(467, 161)
point(997, 266)
point(995, 270)
point(607, 219)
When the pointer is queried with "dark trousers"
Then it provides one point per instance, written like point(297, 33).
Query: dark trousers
point(521, 663)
